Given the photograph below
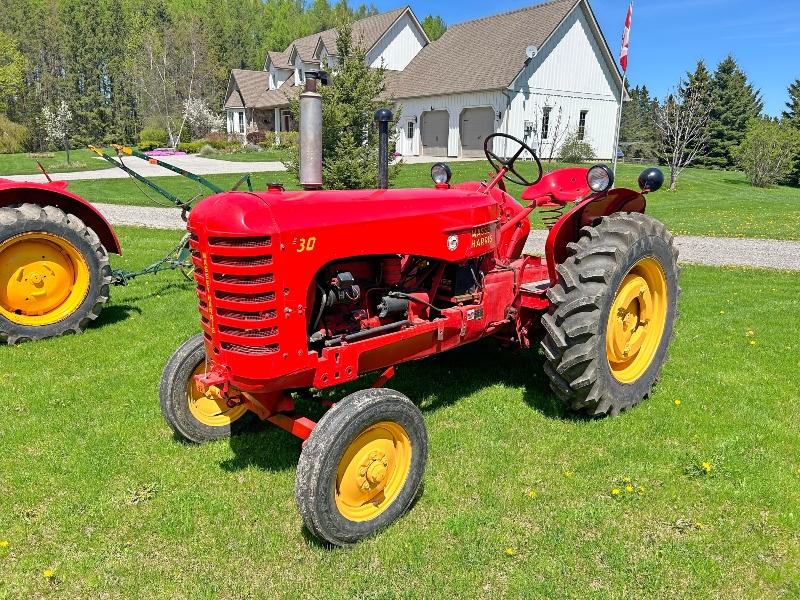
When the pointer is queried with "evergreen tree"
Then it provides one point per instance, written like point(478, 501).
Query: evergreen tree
point(792, 114)
point(734, 102)
point(434, 27)
point(349, 135)
point(637, 131)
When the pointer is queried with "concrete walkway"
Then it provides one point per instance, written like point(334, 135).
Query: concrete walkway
point(190, 162)
point(713, 251)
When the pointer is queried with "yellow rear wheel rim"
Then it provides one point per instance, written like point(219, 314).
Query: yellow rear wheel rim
point(372, 471)
point(636, 321)
point(209, 409)
point(43, 279)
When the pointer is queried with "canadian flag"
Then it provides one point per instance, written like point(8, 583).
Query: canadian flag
point(626, 38)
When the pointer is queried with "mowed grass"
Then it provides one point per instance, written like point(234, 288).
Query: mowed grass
point(707, 203)
point(24, 163)
point(275, 154)
point(95, 488)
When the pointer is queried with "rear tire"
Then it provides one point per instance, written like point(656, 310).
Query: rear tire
point(612, 314)
point(44, 241)
point(362, 466)
point(192, 416)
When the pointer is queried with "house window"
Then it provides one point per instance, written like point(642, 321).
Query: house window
point(582, 124)
point(546, 121)
point(241, 122)
point(230, 122)
point(410, 130)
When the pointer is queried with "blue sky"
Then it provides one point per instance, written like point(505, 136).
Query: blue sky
point(669, 36)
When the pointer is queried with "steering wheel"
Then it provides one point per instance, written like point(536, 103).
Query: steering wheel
point(508, 163)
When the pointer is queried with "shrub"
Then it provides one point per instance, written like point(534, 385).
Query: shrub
point(191, 147)
point(575, 151)
point(256, 137)
point(208, 150)
point(269, 141)
point(289, 139)
point(152, 137)
point(12, 136)
point(217, 136)
point(768, 152)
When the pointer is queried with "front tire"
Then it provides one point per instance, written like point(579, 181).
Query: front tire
point(192, 415)
point(54, 273)
point(362, 466)
point(612, 314)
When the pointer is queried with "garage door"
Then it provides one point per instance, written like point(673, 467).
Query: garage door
point(435, 128)
point(476, 124)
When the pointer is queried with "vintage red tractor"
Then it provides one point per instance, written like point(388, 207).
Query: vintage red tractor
point(303, 291)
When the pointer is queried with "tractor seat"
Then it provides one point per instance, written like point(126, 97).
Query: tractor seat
point(559, 187)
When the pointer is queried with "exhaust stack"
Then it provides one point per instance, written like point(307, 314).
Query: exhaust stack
point(311, 134)
point(383, 117)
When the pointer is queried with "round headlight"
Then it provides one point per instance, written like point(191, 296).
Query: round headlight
point(440, 173)
point(600, 178)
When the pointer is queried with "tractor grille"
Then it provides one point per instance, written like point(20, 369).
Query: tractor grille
point(239, 311)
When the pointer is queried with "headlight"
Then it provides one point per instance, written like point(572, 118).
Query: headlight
point(600, 178)
point(440, 173)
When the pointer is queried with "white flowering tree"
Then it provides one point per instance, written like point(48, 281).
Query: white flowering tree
point(200, 118)
point(56, 125)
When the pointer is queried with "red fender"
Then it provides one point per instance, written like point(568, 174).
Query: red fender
point(56, 194)
point(568, 227)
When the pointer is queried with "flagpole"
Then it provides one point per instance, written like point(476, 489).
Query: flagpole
point(619, 121)
point(623, 59)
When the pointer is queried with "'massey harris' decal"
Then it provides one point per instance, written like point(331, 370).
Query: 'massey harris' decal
point(482, 236)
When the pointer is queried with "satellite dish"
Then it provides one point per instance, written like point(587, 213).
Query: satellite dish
point(531, 51)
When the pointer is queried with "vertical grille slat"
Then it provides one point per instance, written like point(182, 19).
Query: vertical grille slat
point(242, 283)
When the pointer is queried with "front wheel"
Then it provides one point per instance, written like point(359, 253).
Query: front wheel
point(612, 314)
point(192, 415)
point(362, 466)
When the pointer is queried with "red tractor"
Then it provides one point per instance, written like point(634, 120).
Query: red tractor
point(303, 291)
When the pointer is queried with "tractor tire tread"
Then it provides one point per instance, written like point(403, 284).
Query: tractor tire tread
point(574, 351)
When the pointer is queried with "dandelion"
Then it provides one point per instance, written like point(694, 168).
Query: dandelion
point(48, 574)
point(752, 342)
point(640, 491)
point(3, 543)
point(676, 402)
point(615, 492)
point(722, 312)
point(750, 333)
point(569, 473)
point(626, 480)
point(510, 552)
point(629, 488)
point(706, 467)
point(532, 494)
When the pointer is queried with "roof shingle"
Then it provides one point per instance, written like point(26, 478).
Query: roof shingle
point(485, 54)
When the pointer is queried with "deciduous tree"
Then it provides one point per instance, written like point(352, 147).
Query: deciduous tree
point(681, 123)
point(768, 153)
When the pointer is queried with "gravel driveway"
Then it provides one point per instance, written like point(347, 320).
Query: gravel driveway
point(744, 252)
point(190, 162)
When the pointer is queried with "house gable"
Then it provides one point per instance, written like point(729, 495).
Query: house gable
point(571, 59)
point(398, 46)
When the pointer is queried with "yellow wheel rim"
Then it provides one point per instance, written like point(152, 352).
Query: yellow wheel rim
point(372, 471)
point(43, 279)
point(210, 409)
point(637, 320)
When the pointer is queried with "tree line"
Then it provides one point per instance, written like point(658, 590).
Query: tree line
point(125, 65)
point(714, 120)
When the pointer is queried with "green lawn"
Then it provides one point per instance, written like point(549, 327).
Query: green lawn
point(94, 486)
point(24, 163)
point(716, 203)
point(265, 155)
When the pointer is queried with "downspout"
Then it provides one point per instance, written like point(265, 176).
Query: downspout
point(506, 119)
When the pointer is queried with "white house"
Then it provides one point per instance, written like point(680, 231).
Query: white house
point(540, 73)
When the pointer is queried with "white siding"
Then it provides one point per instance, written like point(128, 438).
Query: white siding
point(414, 107)
point(569, 74)
point(277, 76)
point(399, 45)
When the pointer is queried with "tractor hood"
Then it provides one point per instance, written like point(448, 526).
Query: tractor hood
point(437, 223)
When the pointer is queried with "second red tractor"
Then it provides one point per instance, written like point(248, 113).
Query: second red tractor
point(303, 291)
